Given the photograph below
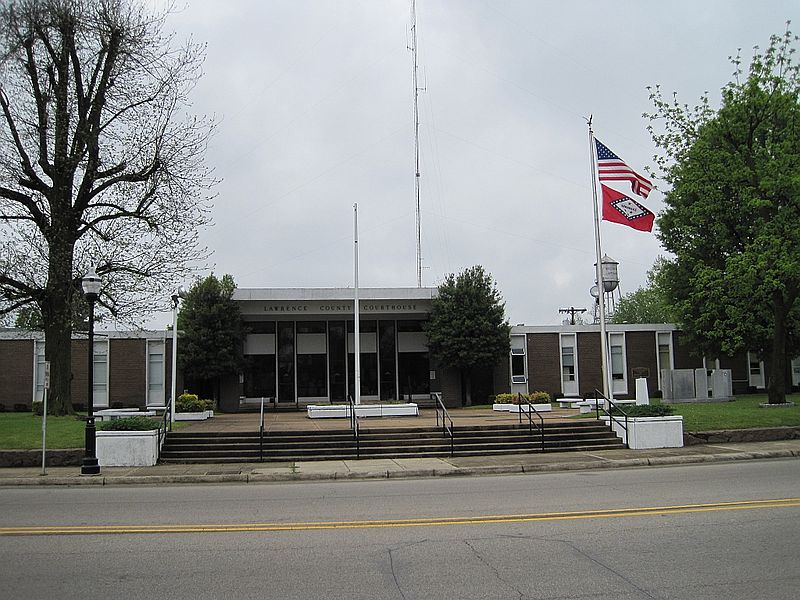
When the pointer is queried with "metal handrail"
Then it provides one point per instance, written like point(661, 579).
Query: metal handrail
point(530, 412)
point(613, 406)
point(354, 425)
point(439, 406)
point(166, 424)
point(261, 433)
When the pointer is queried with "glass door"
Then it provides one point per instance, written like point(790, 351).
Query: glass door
point(286, 364)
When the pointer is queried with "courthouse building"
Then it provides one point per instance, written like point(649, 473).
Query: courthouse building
point(300, 349)
point(300, 345)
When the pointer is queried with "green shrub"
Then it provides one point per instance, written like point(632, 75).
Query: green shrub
point(189, 403)
point(129, 424)
point(645, 410)
point(540, 397)
point(533, 397)
point(37, 408)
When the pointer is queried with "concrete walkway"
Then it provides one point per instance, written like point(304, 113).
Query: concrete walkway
point(403, 467)
point(297, 420)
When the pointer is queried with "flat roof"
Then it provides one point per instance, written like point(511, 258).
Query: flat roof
point(100, 334)
point(299, 294)
point(591, 328)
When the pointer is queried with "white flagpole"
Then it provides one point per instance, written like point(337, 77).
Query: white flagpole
point(357, 328)
point(599, 270)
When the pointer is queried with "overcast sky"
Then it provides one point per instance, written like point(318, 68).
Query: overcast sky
point(314, 103)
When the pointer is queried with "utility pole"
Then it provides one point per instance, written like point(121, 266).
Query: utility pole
point(572, 310)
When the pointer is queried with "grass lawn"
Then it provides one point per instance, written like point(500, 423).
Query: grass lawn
point(24, 431)
point(20, 431)
point(742, 413)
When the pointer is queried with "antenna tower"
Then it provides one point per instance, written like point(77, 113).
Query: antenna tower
point(416, 140)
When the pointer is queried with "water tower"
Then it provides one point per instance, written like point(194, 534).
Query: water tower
point(610, 274)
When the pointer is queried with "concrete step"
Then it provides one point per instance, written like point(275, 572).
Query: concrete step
point(210, 447)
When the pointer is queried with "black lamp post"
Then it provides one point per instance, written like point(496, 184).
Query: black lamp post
point(91, 289)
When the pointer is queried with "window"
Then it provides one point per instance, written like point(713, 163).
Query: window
point(312, 381)
point(755, 370)
point(664, 352)
point(260, 326)
point(518, 366)
point(259, 376)
point(409, 326)
point(337, 365)
point(312, 360)
point(619, 379)
point(414, 374)
point(387, 358)
point(755, 365)
point(100, 373)
point(310, 327)
point(568, 363)
point(155, 372)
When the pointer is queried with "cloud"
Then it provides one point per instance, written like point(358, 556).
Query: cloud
point(314, 100)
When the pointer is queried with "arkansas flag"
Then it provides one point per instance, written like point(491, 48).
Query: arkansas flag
point(618, 208)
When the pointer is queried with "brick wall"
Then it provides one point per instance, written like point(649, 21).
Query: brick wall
point(16, 374)
point(544, 363)
point(127, 372)
point(740, 371)
point(590, 371)
point(450, 382)
point(79, 384)
point(127, 378)
point(502, 377)
point(640, 352)
point(682, 353)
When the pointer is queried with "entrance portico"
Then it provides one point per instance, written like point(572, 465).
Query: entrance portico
point(299, 346)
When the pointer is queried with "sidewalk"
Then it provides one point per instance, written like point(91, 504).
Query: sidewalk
point(400, 468)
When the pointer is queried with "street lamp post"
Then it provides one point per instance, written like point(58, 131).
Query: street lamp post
point(179, 293)
point(89, 465)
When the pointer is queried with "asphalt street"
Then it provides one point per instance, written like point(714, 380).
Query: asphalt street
point(723, 530)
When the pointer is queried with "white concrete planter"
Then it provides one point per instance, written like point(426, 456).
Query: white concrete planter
point(650, 432)
point(192, 416)
point(209, 414)
point(324, 411)
point(516, 407)
point(127, 448)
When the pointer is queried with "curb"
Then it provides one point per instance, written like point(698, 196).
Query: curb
point(653, 461)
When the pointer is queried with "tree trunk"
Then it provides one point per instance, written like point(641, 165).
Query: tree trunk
point(776, 385)
point(57, 316)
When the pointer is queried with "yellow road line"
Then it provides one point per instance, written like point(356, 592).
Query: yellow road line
point(414, 522)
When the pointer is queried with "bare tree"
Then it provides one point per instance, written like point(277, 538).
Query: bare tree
point(100, 163)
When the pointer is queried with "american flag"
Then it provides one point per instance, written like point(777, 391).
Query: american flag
point(611, 167)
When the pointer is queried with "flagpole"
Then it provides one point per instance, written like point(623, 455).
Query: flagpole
point(357, 329)
point(599, 270)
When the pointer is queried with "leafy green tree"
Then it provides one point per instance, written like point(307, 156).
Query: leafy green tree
point(733, 210)
point(467, 326)
point(211, 333)
point(100, 164)
point(648, 304)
